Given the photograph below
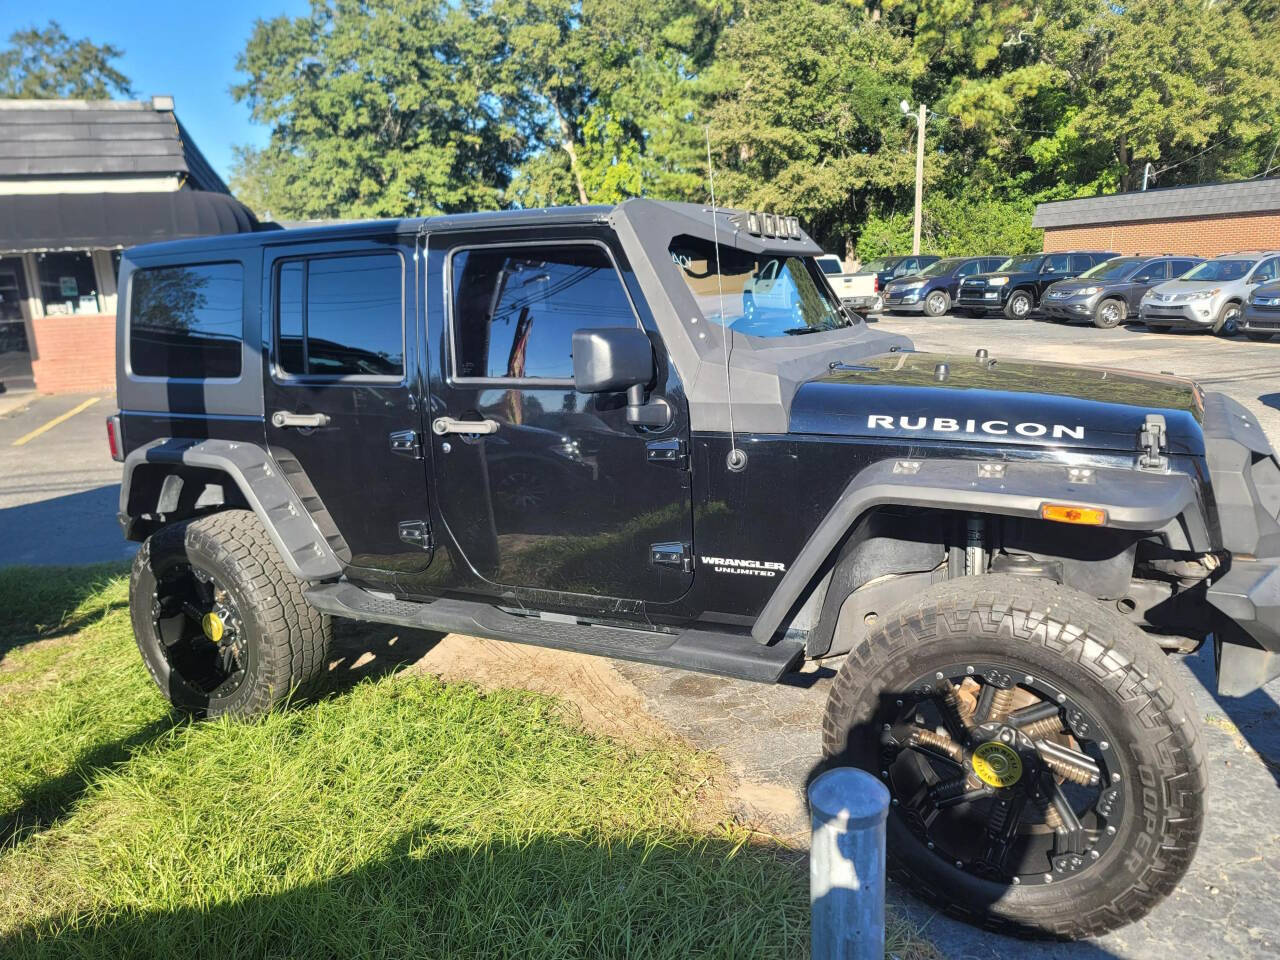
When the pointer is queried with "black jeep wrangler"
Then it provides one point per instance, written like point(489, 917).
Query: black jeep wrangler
point(559, 427)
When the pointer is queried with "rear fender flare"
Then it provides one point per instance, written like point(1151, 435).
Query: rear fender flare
point(1134, 500)
point(267, 492)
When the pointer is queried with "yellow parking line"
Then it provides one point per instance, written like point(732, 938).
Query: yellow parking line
point(55, 421)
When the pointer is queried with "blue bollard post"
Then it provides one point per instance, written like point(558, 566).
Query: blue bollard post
point(847, 808)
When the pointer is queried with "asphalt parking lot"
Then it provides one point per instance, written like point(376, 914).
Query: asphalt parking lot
point(59, 487)
point(58, 491)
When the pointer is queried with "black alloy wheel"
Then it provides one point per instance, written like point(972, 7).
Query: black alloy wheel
point(1044, 764)
point(201, 630)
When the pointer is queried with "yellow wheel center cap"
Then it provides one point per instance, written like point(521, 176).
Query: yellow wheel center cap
point(996, 764)
point(213, 628)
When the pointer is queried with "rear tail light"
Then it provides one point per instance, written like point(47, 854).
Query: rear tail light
point(875, 283)
point(114, 440)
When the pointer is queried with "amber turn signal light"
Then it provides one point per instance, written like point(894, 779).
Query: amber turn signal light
point(1063, 513)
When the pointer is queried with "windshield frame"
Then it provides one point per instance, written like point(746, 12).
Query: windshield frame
point(799, 270)
point(1026, 259)
point(1128, 265)
point(1249, 265)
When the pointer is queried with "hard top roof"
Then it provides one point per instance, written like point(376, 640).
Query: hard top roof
point(642, 214)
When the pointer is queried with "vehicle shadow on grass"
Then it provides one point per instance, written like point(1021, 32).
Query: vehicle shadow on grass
point(43, 603)
point(553, 896)
point(367, 651)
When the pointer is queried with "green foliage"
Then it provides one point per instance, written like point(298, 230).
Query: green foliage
point(46, 64)
point(954, 227)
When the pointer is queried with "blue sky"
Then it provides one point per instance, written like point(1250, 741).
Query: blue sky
point(186, 48)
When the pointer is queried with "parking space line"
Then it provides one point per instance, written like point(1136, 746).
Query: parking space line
point(60, 418)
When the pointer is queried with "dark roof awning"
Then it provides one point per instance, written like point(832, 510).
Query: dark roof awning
point(81, 221)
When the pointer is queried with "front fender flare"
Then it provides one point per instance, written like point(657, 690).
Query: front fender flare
point(265, 489)
point(1134, 500)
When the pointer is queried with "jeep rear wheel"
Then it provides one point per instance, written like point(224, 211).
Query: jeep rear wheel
point(1045, 767)
point(221, 622)
point(1019, 305)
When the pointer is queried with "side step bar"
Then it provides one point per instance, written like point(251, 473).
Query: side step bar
point(725, 654)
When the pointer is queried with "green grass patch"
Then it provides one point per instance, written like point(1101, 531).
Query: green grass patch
point(402, 817)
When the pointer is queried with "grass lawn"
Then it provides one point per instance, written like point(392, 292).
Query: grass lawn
point(398, 817)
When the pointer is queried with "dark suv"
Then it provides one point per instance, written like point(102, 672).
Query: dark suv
point(563, 427)
point(1017, 286)
point(1260, 319)
point(1112, 291)
point(931, 291)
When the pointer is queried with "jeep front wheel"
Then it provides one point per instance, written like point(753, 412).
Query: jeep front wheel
point(1019, 305)
point(1044, 764)
point(220, 620)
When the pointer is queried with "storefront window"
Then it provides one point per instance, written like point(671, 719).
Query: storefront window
point(67, 284)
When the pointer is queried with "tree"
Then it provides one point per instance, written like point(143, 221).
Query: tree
point(806, 118)
point(377, 108)
point(46, 64)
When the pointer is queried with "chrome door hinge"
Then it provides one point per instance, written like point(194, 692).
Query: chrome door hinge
point(1153, 438)
point(418, 533)
point(673, 554)
point(406, 444)
point(671, 451)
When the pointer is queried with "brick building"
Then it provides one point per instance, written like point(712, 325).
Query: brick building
point(1207, 220)
point(80, 181)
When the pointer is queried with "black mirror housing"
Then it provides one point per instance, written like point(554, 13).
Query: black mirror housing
point(611, 359)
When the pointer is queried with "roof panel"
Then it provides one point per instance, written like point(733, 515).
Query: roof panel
point(1169, 203)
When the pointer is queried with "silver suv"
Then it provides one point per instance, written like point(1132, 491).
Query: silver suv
point(1210, 296)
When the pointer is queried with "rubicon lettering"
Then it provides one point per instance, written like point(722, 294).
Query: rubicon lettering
point(751, 568)
point(993, 428)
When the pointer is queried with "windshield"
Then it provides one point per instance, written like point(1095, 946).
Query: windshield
point(762, 295)
point(875, 266)
point(942, 268)
point(1116, 268)
point(1219, 270)
point(830, 266)
point(1018, 264)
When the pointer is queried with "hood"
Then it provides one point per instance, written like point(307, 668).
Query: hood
point(987, 277)
point(1004, 402)
point(910, 278)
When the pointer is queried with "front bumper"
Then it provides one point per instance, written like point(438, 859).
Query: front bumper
point(1179, 316)
point(1258, 319)
point(910, 301)
point(985, 301)
point(1069, 308)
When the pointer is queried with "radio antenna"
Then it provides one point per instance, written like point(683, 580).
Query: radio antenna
point(737, 459)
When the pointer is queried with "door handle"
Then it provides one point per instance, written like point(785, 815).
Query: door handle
point(442, 425)
point(282, 419)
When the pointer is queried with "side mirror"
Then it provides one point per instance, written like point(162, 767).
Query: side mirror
point(613, 359)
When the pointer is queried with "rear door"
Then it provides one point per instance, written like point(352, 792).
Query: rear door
point(342, 403)
point(1055, 267)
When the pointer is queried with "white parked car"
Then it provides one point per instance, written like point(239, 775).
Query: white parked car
point(1210, 296)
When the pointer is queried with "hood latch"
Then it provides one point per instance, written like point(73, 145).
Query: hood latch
point(1153, 438)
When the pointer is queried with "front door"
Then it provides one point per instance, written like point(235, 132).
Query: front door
point(559, 492)
point(342, 413)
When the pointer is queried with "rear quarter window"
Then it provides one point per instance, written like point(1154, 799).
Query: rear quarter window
point(186, 322)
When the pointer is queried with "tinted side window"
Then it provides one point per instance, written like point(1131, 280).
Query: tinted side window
point(1179, 267)
point(515, 308)
point(905, 267)
point(1055, 264)
point(186, 321)
point(1082, 262)
point(1152, 272)
point(994, 263)
point(969, 269)
point(341, 316)
point(1268, 271)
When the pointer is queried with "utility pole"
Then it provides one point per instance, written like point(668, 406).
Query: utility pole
point(922, 115)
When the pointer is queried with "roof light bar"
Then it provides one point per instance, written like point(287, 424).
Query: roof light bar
point(760, 224)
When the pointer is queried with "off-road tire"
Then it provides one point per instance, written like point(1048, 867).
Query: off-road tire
point(1013, 311)
point(1110, 313)
point(937, 303)
point(1040, 626)
point(286, 639)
